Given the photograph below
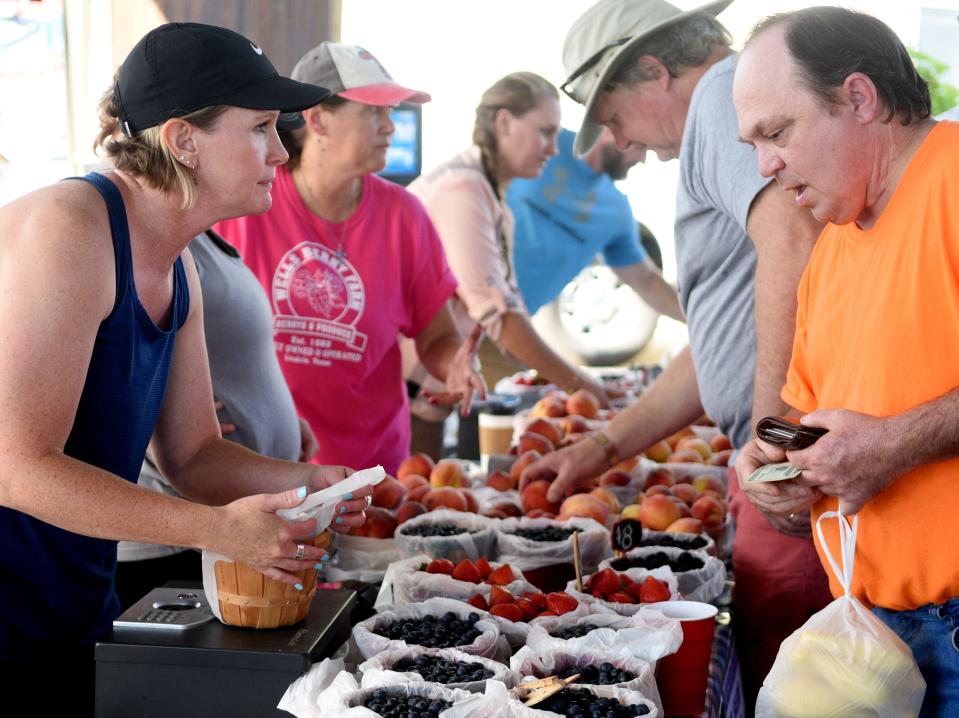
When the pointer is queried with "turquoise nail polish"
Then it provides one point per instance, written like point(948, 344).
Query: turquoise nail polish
point(298, 586)
point(325, 557)
point(348, 495)
point(342, 509)
point(339, 520)
point(317, 566)
point(301, 492)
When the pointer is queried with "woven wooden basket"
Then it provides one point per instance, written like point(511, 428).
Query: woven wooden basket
point(250, 599)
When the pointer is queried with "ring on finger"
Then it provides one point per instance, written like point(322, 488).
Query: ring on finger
point(300, 551)
point(791, 516)
point(369, 501)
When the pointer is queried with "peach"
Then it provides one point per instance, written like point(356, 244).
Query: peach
point(658, 512)
point(609, 498)
point(684, 511)
point(522, 462)
point(583, 403)
point(659, 452)
point(615, 477)
point(379, 524)
point(695, 443)
point(530, 441)
point(444, 497)
point(471, 504)
point(658, 490)
point(720, 442)
point(548, 406)
point(409, 509)
point(639, 498)
point(534, 497)
point(585, 505)
point(500, 481)
point(631, 511)
point(685, 526)
point(708, 510)
point(628, 465)
point(420, 464)
point(495, 514)
point(447, 473)
point(509, 509)
point(673, 439)
point(573, 424)
point(685, 492)
point(715, 494)
point(411, 481)
point(660, 476)
point(418, 493)
point(708, 481)
point(541, 514)
point(389, 493)
point(720, 458)
point(685, 456)
point(546, 428)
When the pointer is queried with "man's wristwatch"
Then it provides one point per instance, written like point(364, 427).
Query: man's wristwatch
point(608, 447)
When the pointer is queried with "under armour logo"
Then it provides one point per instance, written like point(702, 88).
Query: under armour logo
point(257, 50)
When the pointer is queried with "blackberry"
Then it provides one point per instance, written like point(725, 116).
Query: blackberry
point(606, 675)
point(443, 632)
point(577, 631)
point(404, 706)
point(435, 530)
point(440, 670)
point(684, 562)
point(583, 704)
point(546, 533)
point(689, 543)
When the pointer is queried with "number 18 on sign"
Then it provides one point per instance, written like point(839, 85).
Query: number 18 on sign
point(626, 535)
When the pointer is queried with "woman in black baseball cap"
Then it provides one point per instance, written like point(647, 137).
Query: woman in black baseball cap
point(103, 318)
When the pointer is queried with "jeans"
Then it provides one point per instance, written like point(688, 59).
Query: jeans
point(932, 632)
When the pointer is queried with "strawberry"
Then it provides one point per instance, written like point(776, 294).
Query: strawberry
point(528, 608)
point(635, 590)
point(501, 576)
point(499, 596)
point(440, 565)
point(605, 581)
point(477, 601)
point(483, 567)
point(561, 602)
point(620, 597)
point(547, 613)
point(538, 599)
point(509, 611)
point(653, 591)
point(466, 571)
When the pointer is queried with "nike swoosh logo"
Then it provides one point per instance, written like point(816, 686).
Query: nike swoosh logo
point(257, 50)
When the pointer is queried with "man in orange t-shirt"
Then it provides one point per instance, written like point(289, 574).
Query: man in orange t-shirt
point(877, 330)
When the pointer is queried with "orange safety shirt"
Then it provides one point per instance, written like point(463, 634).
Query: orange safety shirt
point(877, 332)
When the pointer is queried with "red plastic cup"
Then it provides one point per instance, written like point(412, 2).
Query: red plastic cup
point(682, 677)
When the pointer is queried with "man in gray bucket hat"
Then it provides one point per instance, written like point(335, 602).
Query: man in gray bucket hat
point(661, 78)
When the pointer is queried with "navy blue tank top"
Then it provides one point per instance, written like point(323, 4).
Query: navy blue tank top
point(56, 585)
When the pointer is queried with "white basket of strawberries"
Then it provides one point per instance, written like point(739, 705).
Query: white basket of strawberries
point(628, 591)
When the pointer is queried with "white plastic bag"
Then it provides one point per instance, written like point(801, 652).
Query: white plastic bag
point(623, 695)
point(301, 695)
point(360, 558)
point(530, 665)
point(647, 635)
point(489, 644)
point(526, 554)
point(700, 584)
point(638, 575)
point(345, 698)
point(477, 541)
point(404, 583)
point(843, 661)
point(688, 542)
point(381, 669)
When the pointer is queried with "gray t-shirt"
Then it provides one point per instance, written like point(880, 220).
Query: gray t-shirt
point(246, 376)
point(719, 179)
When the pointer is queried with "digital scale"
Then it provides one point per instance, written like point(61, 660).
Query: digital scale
point(167, 609)
point(169, 657)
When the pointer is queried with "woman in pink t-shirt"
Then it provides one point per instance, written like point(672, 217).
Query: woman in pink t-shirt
point(514, 135)
point(351, 262)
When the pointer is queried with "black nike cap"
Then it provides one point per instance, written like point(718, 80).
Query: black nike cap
point(179, 68)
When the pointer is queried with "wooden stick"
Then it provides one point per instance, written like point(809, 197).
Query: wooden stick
point(576, 563)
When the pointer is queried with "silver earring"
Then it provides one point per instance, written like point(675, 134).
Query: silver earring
point(182, 158)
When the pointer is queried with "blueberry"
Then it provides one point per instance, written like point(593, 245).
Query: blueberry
point(546, 533)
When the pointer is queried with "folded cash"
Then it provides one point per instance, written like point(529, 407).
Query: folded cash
point(773, 472)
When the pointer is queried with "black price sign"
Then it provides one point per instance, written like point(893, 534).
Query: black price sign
point(626, 535)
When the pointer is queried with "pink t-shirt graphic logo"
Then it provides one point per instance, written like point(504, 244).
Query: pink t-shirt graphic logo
point(318, 298)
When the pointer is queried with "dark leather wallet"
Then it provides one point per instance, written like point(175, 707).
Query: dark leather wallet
point(787, 433)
